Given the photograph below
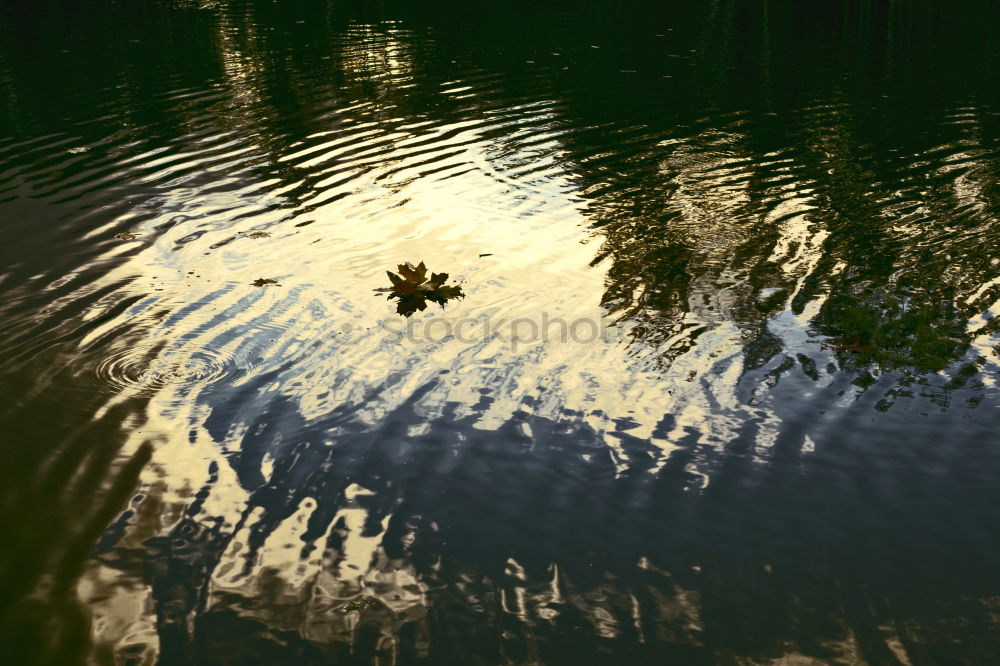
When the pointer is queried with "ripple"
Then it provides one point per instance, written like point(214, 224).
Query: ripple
point(145, 370)
point(728, 221)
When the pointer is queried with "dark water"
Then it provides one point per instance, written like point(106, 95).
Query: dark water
point(722, 390)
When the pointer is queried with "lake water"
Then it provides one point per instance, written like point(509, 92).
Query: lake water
point(722, 388)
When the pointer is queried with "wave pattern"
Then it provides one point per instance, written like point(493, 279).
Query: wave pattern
point(722, 384)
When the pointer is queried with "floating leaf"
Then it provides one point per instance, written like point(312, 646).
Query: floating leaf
point(126, 235)
point(413, 274)
point(359, 604)
point(258, 234)
point(443, 294)
point(260, 282)
point(413, 289)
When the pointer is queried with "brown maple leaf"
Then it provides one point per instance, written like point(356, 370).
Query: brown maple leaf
point(415, 274)
point(409, 279)
point(413, 289)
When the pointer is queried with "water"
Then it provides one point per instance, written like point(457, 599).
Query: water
point(722, 388)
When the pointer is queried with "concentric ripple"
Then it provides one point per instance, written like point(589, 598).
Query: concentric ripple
point(146, 371)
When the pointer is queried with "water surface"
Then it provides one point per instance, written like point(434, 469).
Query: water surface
point(722, 388)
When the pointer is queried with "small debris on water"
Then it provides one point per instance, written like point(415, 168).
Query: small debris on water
point(260, 282)
point(125, 235)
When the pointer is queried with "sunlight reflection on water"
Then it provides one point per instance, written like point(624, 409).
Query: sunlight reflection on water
point(721, 386)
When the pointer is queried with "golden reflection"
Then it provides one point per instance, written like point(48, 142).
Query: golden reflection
point(727, 253)
point(378, 53)
point(324, 339)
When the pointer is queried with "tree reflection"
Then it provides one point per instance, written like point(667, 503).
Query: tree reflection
point(687, 210)
point(793, 187)
point(463, 545)
point(786, 202)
